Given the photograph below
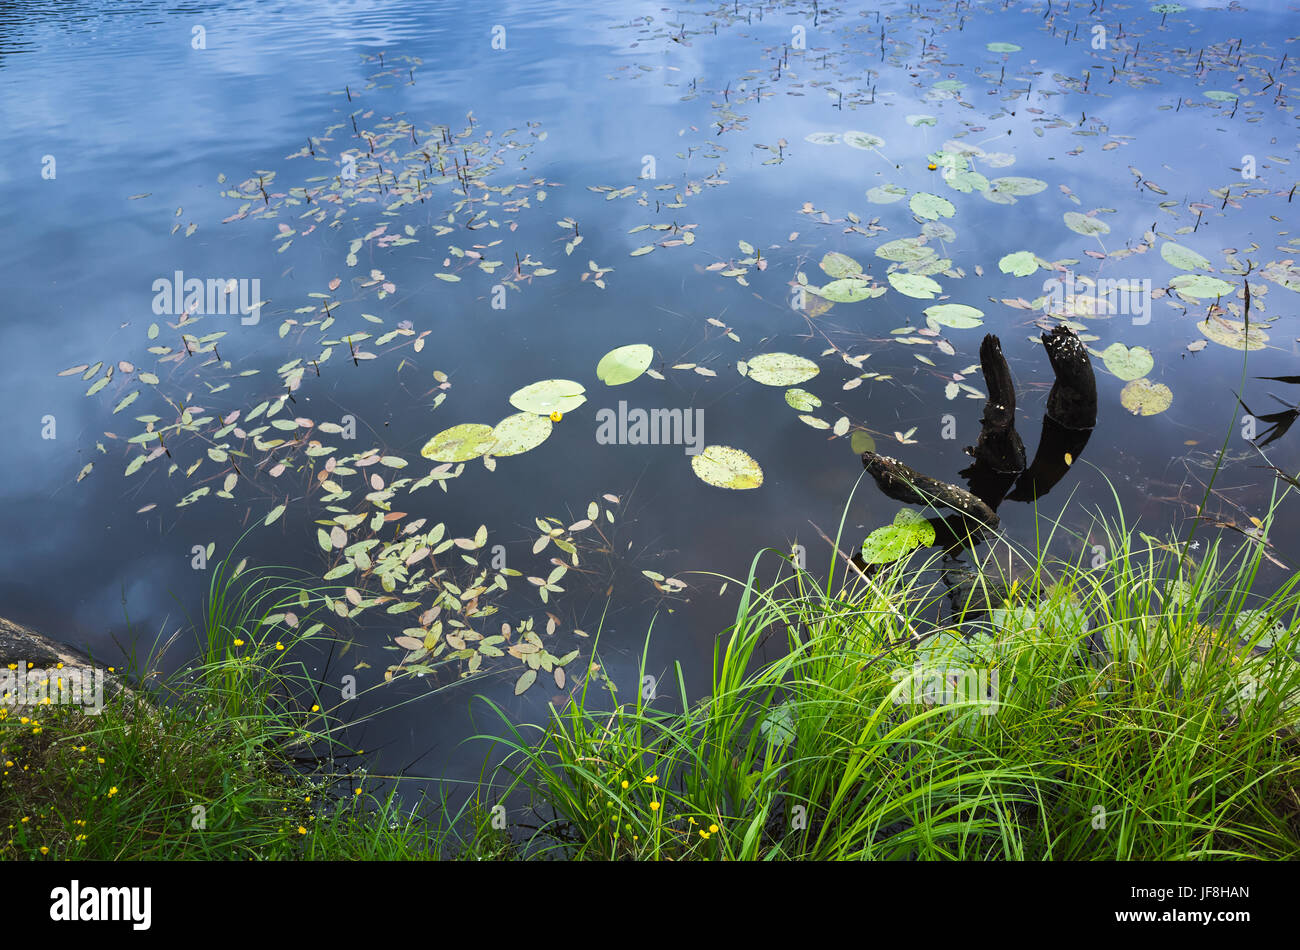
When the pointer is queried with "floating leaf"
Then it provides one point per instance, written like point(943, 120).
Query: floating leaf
point(1002, 47)
point(955, 315)
point(548, 396)
point(919, 120)
point(909, 531)
point(863, 140)
point(525, 681)
point(1082, 224)
point(915, 285)
point(1145, 398)
point(624, 364)
point(273, 514)
point(848, 290)
point(802, 400)
point(1201, 285)
point(886, 194)
point(932, 207)
point(519, 433)
point(904, 250)
point(725, 467)
point(1018, 186)
point(1183, 258)
point(836, 264)
point(460, 443)
point(862, 441)
point(1021, 264)
point(781, 369)
point(822, 138)
point(1128, 363)
point(1233, 333)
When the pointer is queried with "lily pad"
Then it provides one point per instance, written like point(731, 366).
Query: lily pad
point(1002, 47)
point(725, 467)
point(460, 443)
point(1183, 258)
point(958, 316)
point(918, 120)
point(1233, 333)
point(1201, 285)
point(886, 194)
point(909, 531)
point(932, 207)
point(848, 290)
point(1128, 363)
point(802, 400)
point(915, 285)
point(548, 396)
point(1082, 224)
point(903, 250)
point(1145, 398)
point(836, 264)
point(1017, 185)
point(862, 441)
point(517, 434)
point(1021, 263)
point(863, 140)
point(624, 364)
point(822, 138)
point(966, 181)
point(781, 369)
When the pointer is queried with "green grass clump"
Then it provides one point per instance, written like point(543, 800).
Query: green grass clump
point(1129, 723)
point(207, 764)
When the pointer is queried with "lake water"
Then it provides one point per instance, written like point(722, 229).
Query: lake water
point(740, 143)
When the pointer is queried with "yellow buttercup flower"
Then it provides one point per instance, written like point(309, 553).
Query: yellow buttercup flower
point(556, 416)
point(654, 806)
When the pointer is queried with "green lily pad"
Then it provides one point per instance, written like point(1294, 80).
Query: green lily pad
point(1017, 185)
point(548, 396)
point(836, 264)
point(801, 400)
point(725, 467)
point(1233, 333)
point(926, 205)
point(519, 433)
point(822, 138)
point(966, 181)
point(848, 290)
point(624, 364)
point(903, 250)
point(949, 85)
point(460, 443)
point(1082, 224)
point(863, 140)
point(909, 531)
point(958, 316)
point(886, 194)
point(1002, 47)
point(915, 285)
point(1220, 95)
point(1021, 263)
point(1284, 274)
point(1145, 398)
point(1201, 285)
point(862, 441)
point(781, 369)
point(1128, 363)
point(1183, 258)
point(919, 119)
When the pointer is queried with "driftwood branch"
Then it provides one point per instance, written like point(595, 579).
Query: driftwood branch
point(903, 483)
point(999, 447)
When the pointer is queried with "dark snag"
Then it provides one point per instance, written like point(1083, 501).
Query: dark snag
point(999, 447)
point(1073, 399)
point(905, 484)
